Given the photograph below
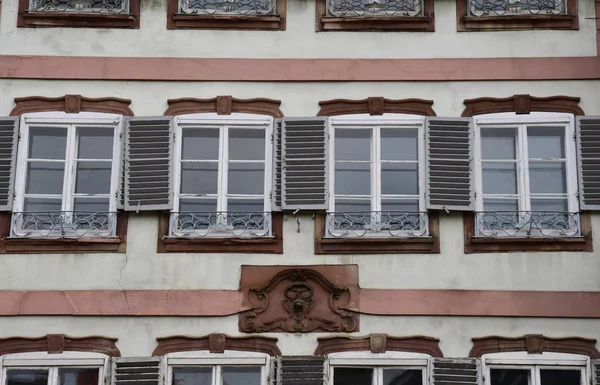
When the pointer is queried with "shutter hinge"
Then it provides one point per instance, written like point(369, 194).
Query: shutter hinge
point(19, 137)
point(272, 138)
point(121, 136)
point(574, 135)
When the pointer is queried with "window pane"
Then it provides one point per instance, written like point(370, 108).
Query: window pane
point(560, 205)
point(546, 142)
point(399, 144)
point(199, 178)
point(498, 143)
point(499, 178)
point(76, 376)
point(26, 377)
point(353, 144)
point(192, 376)
point(560, 377)
point(32, 205)
point(47, 142)
point(497, 205)
point(352, 376)
point(246, 178)
point(200, 144)
point(509, 376)
point(45, 177)
point(245, 205)
point(353, 178)
point(241, 375)
point(246, 144)
point(95, 142)
point(547, 177)
point(91, 204)
point(198, 205)
point(344, 205)
point(400, 205)
point(402, 377)
point(399, 178)
point(93, 177)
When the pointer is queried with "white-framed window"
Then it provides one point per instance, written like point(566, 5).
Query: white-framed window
point(378, 181)
point(223, 178)
point(366, 368)
point(80, 6)
point(370, 8)
point(227, 7)
point(521, 368)
point(41, 368)
point(68, 174)
point(228, 368)
point(480, 8)
point(526, 175)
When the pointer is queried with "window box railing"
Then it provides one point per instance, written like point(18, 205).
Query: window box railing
point(220, 224)
point(63, 224)
point(227, 7)
point(482, 8)
point(527, 224)
point(80, 6)
point(377, 224)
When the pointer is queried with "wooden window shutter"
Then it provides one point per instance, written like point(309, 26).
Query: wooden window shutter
point(135, 371)
point(304, 163)
point(9, 137)
point(456, 371)
point(305, 370)
point(596, 372)
point(588, 159)
point(121, 189)
point(449, 151)
point(148, 163)
point(276, 197)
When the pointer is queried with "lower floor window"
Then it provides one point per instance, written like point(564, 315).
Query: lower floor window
point(536, 376)
point(218, 374)
point(377, 376)
point(53, 376)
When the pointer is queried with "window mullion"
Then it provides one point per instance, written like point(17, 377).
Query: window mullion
point(478, 171)
point(223, 169)
point(53, 376)
point(525, 197)
point(571, 168)
point(69, 178)
point(376, 170)
point(332, 173)
point(536, 378)
point(22, 164)
point(114, 166)
point(177, 156)
point(217, 375)
point(377, 376)
point(421, 167)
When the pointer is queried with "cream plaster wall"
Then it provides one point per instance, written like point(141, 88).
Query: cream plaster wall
point(299, 40)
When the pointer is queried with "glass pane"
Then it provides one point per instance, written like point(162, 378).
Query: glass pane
point(353, 178)
point(499, 178)
point(199, 178)
point(78, 376)
point(192, 376)
point(399, 144)
point(32, 205)
point(93, 177)
point(560, 377)
point(245, 205)
point(344, 205)
point(198, 205)
point(47, 142)
point(246, 144)
point(200, 144)
point(91, 204)
point(402, 377)
point(400, 205)
point(353, 144)
point(560, 205)
point(95, 142)
point(45, 178)
point(246, 178)
point(241, 375)
point(546, 142)
point(498, 143)
point(509, 376)
point(399, 178)
point(547, 177)
point(352, 376)
point(497, 205)
point(26, 377)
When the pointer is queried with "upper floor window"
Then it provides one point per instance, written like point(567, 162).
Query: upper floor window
point(480, 8)
point(365, 368)
point(227, 7)
point(81, 6)
point(366, 8)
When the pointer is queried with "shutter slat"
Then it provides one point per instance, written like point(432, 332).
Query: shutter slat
point(135, 371)
point(301, 370)
point(588, 160)
point(148, 171)
point(9, 136)
point(455, 371)
point(596, 372)
point(450, 164)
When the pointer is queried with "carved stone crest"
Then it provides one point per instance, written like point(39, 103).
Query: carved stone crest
point(534, 343)
point(298, 301)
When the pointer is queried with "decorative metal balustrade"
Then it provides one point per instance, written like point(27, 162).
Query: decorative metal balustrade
point(516, 7)
point(220, 224)
point(227, 7)
point(526, 224)
point(377, 224)
point(64, 224)
point(81, 6)
point(365, 8)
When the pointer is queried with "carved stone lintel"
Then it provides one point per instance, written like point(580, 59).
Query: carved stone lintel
point(522, 104)
point(71, 104)
point(224, 105)
point(534, 344)
point(216, 343)
point(376, 106)
point(379, 343)
point(58, 343)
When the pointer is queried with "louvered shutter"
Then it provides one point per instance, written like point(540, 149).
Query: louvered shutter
point(588, 152)
point(456, 371)
point(276, 198)
point(450, 164)
point(304, 164)
point(136, 371)
point(148, 164)
point(9, 137)
point(300, 370)
point(596, 372)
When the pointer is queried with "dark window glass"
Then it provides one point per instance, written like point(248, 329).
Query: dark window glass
point(560, 377)
point(402, 377)
point(510, 376)
point(26, 377)
point(352, 376)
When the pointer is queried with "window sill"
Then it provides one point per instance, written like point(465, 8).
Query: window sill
point(256, 23)
point(510, 244)
point(404, 24)
point(271, 245)
point(518, 22)
point(422, 245)
point(74, 20)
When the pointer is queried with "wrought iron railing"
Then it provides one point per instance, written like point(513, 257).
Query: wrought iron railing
point(377, 224)
point(220, 224)
point(227, 7)
point(81, 6)
point(509, 7)
point(63, 224)
point(355, 8)
point(527, 224)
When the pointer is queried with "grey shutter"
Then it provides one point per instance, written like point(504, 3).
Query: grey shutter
point(456, 371)
point(450, 164)
point(276, 198)
point(304, 164)
point(596, 372)
point(300, 370)
point(121, 187)
point(9, 137)
point(588, 154)
point(148, 164)
point(136, 371)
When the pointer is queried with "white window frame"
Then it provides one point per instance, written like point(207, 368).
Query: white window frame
point(62, 119)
